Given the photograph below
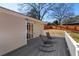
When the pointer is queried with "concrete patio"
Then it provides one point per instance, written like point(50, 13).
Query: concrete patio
point(32, 48)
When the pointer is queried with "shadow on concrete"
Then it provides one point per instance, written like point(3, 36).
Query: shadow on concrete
point(32, 48)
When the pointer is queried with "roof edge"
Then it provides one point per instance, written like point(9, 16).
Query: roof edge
point(20, 14)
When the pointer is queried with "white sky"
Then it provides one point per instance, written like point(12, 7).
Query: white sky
point(39, 1)
point(11, 6)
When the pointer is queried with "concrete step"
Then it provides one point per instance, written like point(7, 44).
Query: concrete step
point(46, 49)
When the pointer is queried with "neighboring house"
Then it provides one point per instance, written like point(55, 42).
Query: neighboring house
point(16, 29)
point(71, 21)
point(74, 23)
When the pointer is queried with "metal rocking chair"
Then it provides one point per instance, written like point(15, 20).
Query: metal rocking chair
point(47, 44)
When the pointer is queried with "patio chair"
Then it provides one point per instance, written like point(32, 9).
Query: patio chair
point(48, 36)
point(47, 44)
point(46, 39)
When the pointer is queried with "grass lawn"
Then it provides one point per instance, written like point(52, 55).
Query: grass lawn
point(74, 35)
point(60, 33)
point(57, 33)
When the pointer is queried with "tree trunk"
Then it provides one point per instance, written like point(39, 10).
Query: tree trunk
point(60, 22)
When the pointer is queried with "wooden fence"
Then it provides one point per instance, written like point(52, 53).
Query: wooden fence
point(62, 27)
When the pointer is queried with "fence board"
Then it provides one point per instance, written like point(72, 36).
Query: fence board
point(62, 27)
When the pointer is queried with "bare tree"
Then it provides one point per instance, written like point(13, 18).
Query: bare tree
point(36, 10)
point(62, 11)
point(32, 13)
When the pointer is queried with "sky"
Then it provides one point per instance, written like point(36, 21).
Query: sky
point(76, 8)
point(13, 6)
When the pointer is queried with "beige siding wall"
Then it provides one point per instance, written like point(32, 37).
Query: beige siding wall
point(38, 29)
point(12, 32)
